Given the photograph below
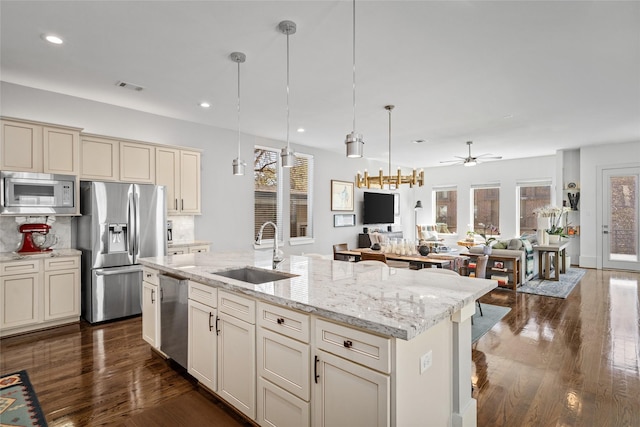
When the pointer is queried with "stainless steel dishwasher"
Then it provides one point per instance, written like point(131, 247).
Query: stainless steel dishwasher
point(173, 318)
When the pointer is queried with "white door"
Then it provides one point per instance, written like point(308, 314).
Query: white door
point(620, 219)
point(202, 344)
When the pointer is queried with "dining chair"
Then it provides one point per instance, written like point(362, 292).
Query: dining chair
point(481, 273)
point(441, 271)
point(373, 256)
point(340, 247)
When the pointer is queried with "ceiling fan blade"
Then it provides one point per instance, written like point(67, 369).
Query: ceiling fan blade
point(486, 157)
point(452, 161)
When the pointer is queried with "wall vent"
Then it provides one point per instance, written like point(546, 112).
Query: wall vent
point(130, 86)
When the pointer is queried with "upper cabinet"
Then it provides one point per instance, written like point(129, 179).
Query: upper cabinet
point(179, 171)
point(137, 162)
point(100, 159)
point(32, 147)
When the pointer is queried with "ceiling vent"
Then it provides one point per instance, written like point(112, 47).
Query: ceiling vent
point(130, 86)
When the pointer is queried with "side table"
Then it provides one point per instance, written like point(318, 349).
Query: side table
point(560, 254)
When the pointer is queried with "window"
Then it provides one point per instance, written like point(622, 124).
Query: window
point(446, 209)
point(486, 209)
point(267, 191)
point(300, 197)
point(531, 195)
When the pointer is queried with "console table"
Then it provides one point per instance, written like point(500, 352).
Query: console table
point(511, 267)
point(546, 251)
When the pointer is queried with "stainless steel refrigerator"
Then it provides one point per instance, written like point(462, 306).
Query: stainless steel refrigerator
point(120, 223)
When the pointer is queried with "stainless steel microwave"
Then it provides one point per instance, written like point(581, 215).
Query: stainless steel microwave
point(25, 193)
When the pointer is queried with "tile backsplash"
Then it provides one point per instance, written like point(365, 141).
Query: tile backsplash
point(183, 228)
point(11, 238)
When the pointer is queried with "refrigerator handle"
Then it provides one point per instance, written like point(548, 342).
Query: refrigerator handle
point(131, 226)
point(136, 199)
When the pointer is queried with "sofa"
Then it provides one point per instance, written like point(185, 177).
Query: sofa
point(520, 246)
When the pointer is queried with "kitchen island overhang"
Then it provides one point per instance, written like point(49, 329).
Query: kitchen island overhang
point(423, 312)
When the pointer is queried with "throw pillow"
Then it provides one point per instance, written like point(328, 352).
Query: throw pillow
point(515, 244)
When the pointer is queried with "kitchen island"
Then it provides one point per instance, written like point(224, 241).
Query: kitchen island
point(332, 343)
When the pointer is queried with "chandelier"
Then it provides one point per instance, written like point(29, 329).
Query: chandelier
point(391, 181)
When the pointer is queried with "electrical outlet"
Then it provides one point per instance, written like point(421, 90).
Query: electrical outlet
point(425, 361)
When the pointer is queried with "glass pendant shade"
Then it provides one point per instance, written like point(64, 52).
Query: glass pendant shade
point(355, 145)
point(287, 157)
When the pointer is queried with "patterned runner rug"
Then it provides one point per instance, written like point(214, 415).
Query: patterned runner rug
point(19, 405)
point(552, 288)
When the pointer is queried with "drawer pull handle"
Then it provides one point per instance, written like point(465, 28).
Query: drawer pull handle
point(315, 369)
point(348, 344)
point(280, 320)
point(148, 275)
point(210, 325)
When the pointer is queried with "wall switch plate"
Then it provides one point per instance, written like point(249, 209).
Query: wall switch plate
point(425, 361)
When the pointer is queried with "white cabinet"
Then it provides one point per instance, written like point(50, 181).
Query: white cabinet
point(179, 171)
point(99, 158)
point(202, 339)
point(283, 367)
point(33, 147)
point(352, 370)
point(150, 312)
point(137, 162)
point(39, 293)
point(187, 249)
point(237, 352)
point(198, 249)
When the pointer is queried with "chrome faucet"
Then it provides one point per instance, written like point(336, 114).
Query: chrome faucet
point(276, 258)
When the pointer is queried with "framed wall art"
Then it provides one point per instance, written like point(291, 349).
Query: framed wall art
point(341, 195)
point(344, 220)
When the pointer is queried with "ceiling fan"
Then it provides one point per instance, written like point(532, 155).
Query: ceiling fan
point(471, 160)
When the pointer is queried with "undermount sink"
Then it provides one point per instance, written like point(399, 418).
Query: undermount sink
point(255, 276)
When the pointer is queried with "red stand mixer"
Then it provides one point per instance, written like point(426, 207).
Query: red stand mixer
point(34, 238)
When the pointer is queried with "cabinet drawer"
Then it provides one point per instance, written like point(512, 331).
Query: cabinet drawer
point(175, 251)
point(19, 267)
point(361, 347)
point(204, 294)
point(150, 275)
point(276, 407)
point(237, 306)
point(284, 362)
point(198, 248)
point(61, 263)
point(284, 321)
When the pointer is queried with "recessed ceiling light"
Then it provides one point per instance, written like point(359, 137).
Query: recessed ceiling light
point(52, 38)
point(205, 105)
point(418, 141)
point(301, 130)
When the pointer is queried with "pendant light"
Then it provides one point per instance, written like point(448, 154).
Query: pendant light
point(288, 158)
point(354, 141)
point(238, 164)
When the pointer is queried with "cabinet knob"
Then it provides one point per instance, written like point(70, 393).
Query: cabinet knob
point(348, 344)
point(280, 320)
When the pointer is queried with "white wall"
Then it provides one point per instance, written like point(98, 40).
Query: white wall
point(227, 200)
point(592, 161)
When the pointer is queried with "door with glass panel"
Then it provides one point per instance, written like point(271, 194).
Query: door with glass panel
point(620, 239)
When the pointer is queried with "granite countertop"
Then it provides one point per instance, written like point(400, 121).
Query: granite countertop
point(401, 303)
point(14, 256)
point(180, 244)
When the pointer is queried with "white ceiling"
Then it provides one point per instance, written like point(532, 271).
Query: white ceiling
point(519, 78)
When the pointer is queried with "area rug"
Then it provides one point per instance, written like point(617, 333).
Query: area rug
point(19, 405)
point(491, 314)
point(551, 288)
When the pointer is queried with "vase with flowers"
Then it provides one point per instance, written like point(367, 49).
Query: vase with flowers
point(553, 220)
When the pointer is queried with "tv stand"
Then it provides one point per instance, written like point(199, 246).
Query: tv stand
point(364, 241)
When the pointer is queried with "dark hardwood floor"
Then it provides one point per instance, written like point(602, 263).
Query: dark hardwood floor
point(548, 362)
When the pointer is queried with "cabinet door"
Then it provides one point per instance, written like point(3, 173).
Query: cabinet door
point(61, 148)
point(202, 344)
point(19, 296)
point(21, 147)
point(150, 314)
point(61, 294)
point(349, 394)
point(99, 159)
point(236, 363)
point(277, 408)
point(137, 163)
point(168, 174)
point(189, 182)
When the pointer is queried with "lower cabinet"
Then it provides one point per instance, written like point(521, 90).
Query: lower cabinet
point(202, 353)
point(237, 352)
point(39, 293)
point(349, 394)
point(150, 312)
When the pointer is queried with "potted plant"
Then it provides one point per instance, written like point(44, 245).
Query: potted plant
point(556, 229)
point(493, 230)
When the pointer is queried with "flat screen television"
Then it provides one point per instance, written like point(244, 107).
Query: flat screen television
point(378, 208)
